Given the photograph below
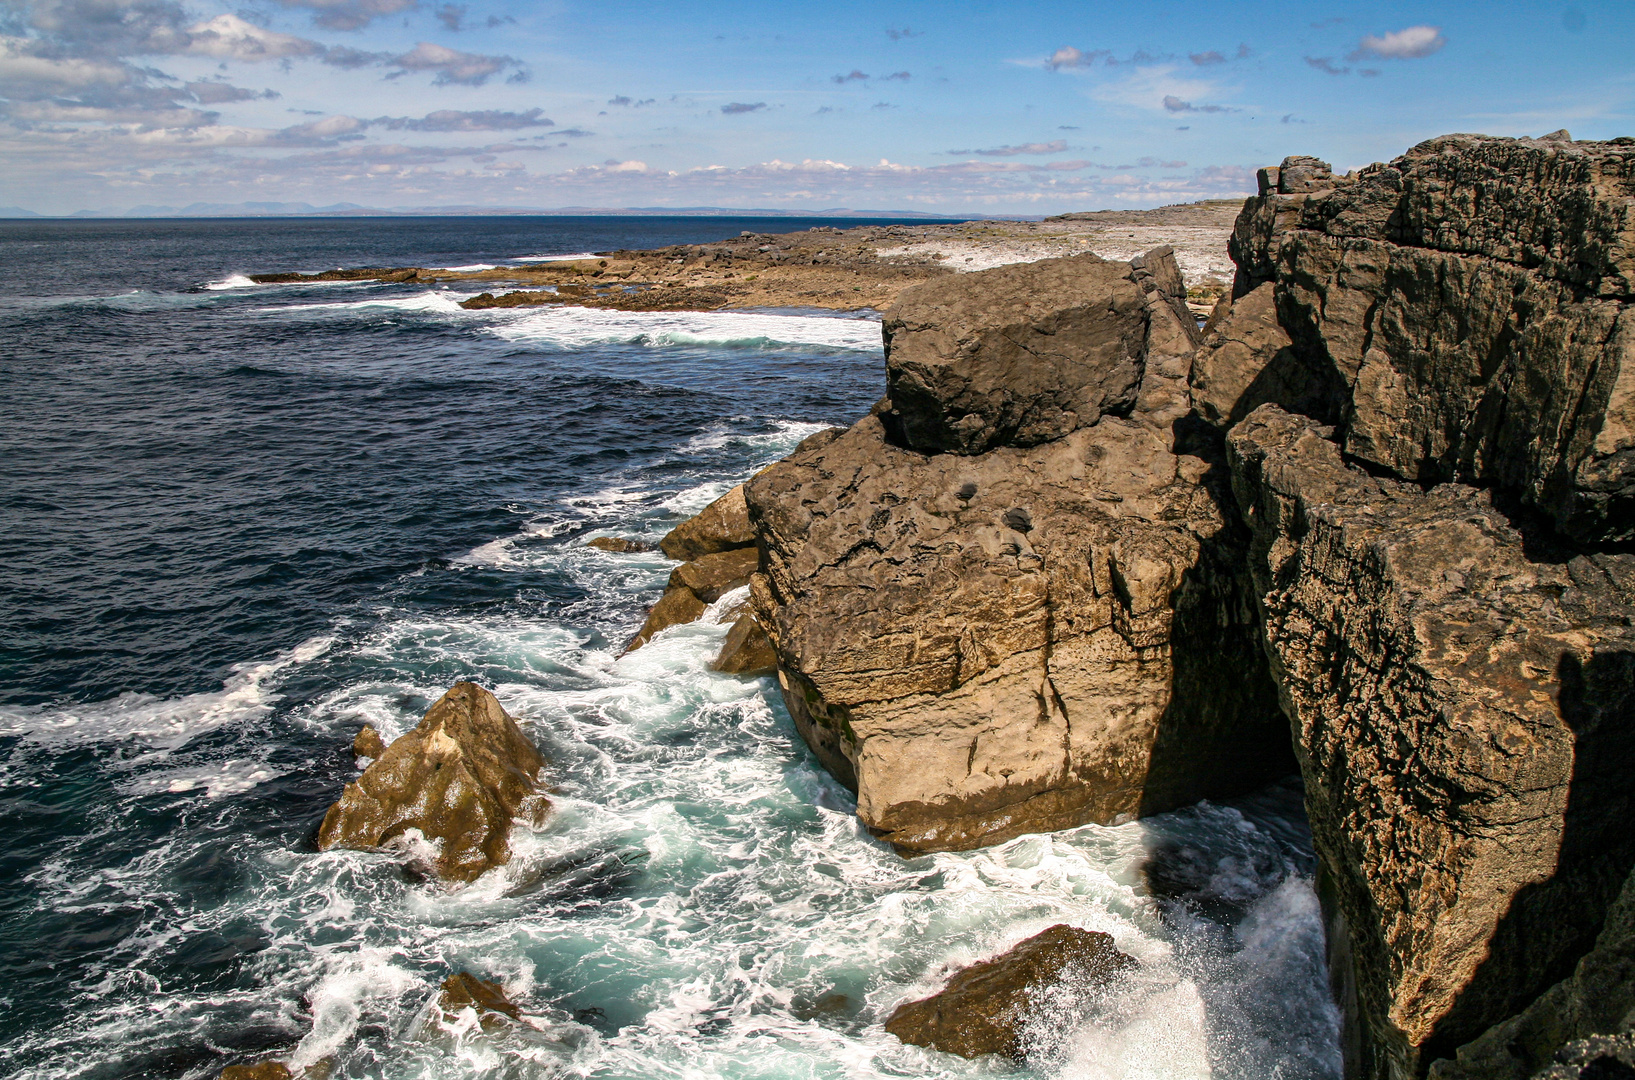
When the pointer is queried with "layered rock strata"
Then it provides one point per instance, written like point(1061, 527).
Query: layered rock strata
point(1463, 314)
point(1465, 716)
point(986, 1008)
point(1030, 637)
point(460, 778)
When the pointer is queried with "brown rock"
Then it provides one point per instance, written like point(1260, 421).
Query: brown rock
point(262, 1070)
point(1020, 641)
point(985, 1008)
point(678, 605)
point(368, 744)
point(462, 776)
point(1465, 715)
point(711, 577)
point(617, 544)
point(464, 990)
point(1246, 360)
point(1468, 308)
point(1014, 356)
point(747, 650)
point(720, 526)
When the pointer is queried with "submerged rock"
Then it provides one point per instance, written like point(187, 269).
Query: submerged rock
point(1464, 709)
point(486, 999)
point(617, 544)
point(264, 1070)
point(460, 778)
point(985, 1008)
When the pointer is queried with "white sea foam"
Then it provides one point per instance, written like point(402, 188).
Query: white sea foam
point(554, 258)
point(473, 268)
point(440, 301)
point(162, 723)
point(235, 281)
point(573, 327)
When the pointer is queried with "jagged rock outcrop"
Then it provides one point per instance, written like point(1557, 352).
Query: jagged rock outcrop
point(1464, 708)
point(1463, 314)
point(619, 545)
point(368, 743)
point(986, 1008)
point(1032, 637)
point(718, 548)
point(747, 649)
point(461, 778)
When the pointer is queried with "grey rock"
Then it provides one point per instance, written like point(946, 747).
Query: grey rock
point(1465, 716)
point(721, 526)
point(1019, 355)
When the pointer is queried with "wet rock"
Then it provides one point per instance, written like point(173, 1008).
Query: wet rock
point(464, 990)
point(617, 544)
point(693, 586)
point(747, 650)
point(985, 1008)
point(461, 778)
point(368, 743)
point(973, 680)
point(1014, 356)
point(1468, 307)
point(265, 1070)
point(721, 526)
point(1463, 699)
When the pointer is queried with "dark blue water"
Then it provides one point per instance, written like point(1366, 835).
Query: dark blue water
point(236, 523)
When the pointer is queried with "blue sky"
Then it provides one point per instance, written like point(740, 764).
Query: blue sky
point(979, 107)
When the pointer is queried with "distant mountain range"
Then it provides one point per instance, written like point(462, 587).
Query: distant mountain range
point(300, 209)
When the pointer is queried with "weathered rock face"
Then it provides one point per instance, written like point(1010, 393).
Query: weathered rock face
point(1029, 638)
point(747, 650)
point(1466, 309)
point(721, 526)
point(1015, 356)
point(461, 777)
point(985, 1008)
point(718, 545)
point(1598, 998)
point(1246, 361)
point(1465, 715)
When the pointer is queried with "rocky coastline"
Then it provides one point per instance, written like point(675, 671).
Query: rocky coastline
point(1085, 562)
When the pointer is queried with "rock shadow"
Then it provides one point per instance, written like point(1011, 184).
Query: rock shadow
point(1552, 924)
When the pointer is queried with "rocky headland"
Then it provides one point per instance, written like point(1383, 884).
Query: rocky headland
point(827, 267)
point(1373, 523)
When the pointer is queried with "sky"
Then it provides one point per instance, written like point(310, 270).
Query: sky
point(978, 107)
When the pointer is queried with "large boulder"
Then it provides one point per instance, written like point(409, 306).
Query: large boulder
point(1463, 699)
point(461, 778)
point(721, 526)
point(986, 1008)
point(1465, 313)
point(1020, 641)
point(1246, 360)
point(1019, 355)
point(694, 586)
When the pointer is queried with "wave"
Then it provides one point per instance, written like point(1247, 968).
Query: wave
point(472, 269)
point(571, 327)
point(576, 257)
point(234, 281)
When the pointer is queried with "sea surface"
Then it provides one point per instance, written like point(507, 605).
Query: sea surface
point(238, 522)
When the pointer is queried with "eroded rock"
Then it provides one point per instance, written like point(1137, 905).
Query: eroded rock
point(985, 1008)
point(747, 650)
point(721, 526)
point(1466, 310)
point(1020, 641)
point(619, 545)
point(1014, 356)
point(460, 778)
point(487, 1000)
point(1465, 715)
point(368, 743)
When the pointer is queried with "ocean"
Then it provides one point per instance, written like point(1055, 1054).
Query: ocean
point(237, 522)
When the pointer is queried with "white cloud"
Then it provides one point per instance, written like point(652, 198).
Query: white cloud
point(228, 37)
point(454, 66)
point(1409, 44)
point(354, 14)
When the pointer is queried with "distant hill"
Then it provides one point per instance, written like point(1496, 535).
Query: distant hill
point(16, 212)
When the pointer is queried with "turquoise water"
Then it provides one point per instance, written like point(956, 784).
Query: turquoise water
point(248, 520)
